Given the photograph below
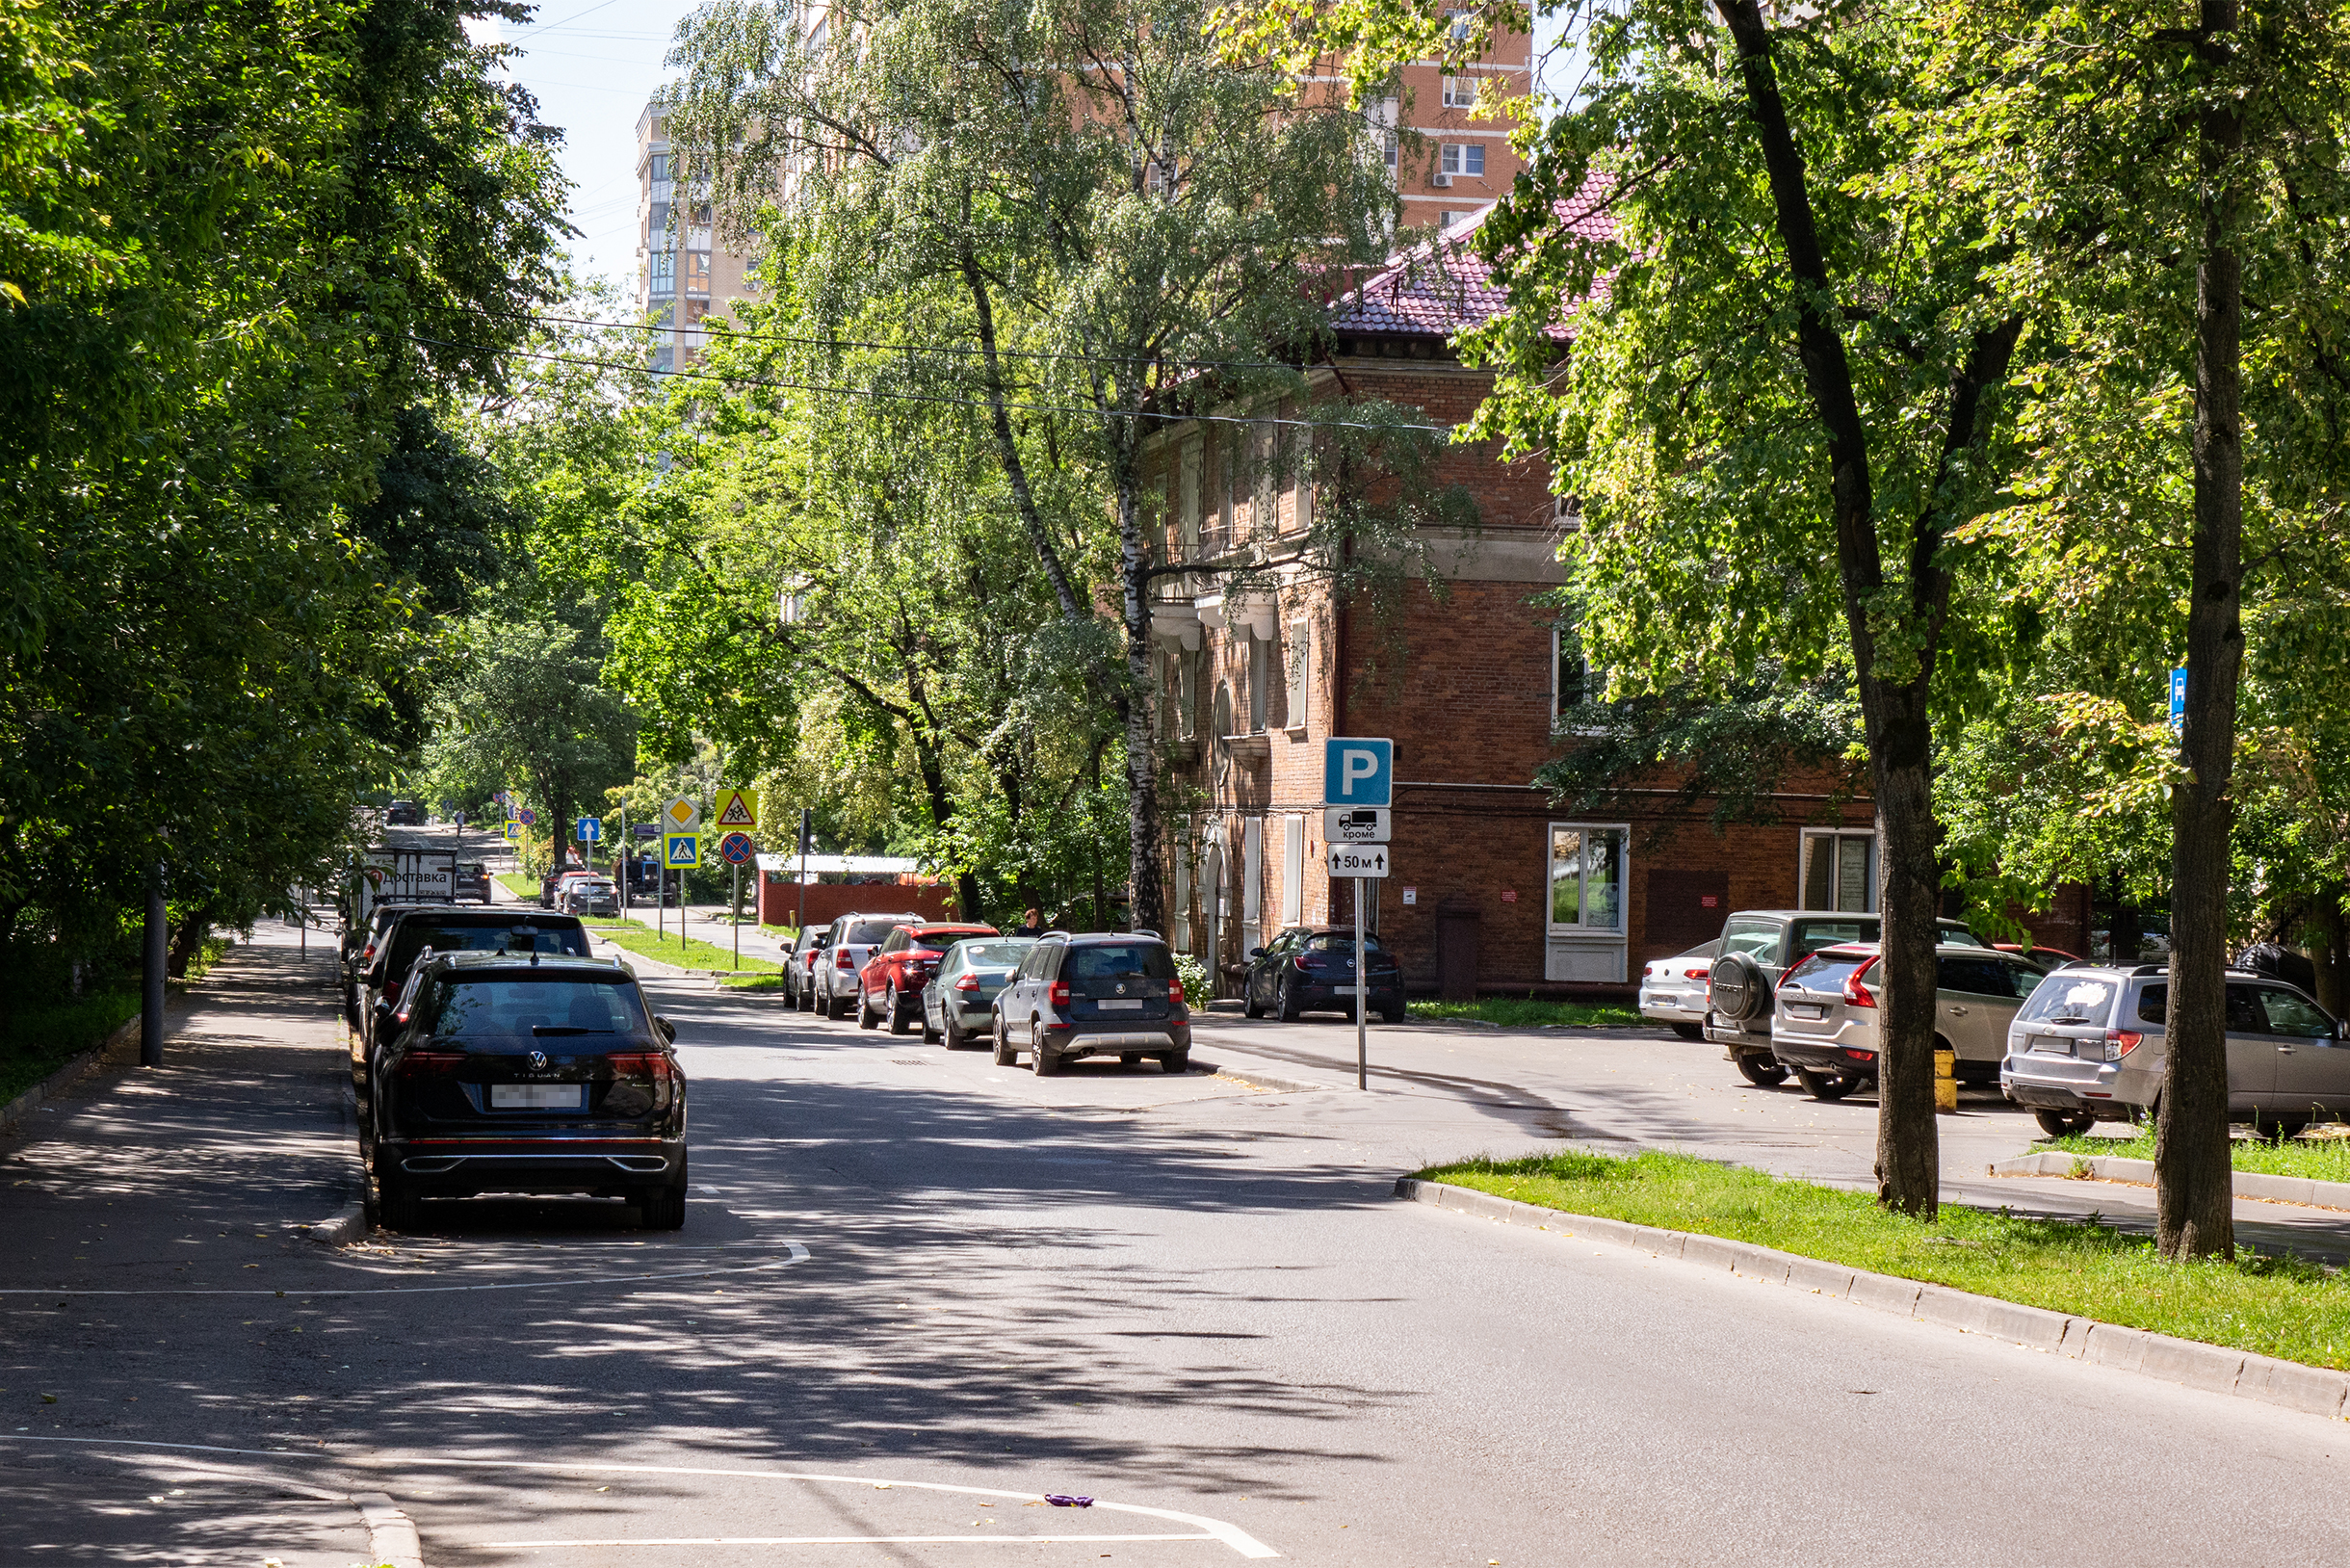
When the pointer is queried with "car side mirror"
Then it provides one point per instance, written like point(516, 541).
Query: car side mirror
point(668, 1031)
point(1256, 952)
point(387, 1014)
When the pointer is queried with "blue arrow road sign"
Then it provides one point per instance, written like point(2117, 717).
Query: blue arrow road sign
point(592, 828)
point(1358, 771)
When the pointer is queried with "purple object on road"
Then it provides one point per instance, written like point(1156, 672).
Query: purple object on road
point(1061, 1499)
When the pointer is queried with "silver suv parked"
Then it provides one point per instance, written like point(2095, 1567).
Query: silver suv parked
point(836, 979)
point(1824, 1022)
point(2088, 1047)
point(1089, 996)
point(1758, 946)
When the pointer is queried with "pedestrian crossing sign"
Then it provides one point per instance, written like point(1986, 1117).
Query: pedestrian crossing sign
point(514, 830)
point(737, 808)
point(684, 852)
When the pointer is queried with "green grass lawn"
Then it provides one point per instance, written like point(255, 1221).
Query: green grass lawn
point(749, 982)
point(2282, 1307)
point(519, 885)
point(36, 1041)
point(1527, 1012)
point(688, 952)
point(2324, 1158)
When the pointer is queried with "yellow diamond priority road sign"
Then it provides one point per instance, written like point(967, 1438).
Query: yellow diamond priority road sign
point(736, 808)
point(682, 815)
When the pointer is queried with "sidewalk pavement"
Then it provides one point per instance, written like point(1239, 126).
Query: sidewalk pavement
point(127, 1205)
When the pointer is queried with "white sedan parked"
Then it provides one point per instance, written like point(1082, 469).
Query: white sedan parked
point(1673, 990)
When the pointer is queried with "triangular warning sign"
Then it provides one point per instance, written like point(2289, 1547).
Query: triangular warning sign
point(736, 812)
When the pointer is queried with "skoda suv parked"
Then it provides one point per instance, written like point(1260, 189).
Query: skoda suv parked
point(1092, 996)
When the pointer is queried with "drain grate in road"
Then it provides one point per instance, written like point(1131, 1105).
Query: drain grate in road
point(911, 1062)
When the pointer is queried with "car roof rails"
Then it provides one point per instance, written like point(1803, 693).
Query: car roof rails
point(2139, 971)
point(1145, 930)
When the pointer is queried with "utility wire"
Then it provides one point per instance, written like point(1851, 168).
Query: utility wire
point(920, 348)
point(927, 397)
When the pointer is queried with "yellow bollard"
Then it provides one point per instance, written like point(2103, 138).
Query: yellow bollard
point(1945, 1083)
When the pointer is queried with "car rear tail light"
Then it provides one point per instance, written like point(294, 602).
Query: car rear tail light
point(843, 960)
point(1858, 995)
point(1175, 991)
point(2120, 1042)
point(967, 983)
point(368, 952)
point(653, 1065)
point(430, 1063)
point(1860, 1056)
point(1058, 996)
point(1692, 974)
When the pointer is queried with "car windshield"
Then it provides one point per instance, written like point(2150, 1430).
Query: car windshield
point(990, 954)
point(1810, 935)
point(1957, 936)
point(520, 1008)
point(1826, 971)
point(1115, 961)
point(2070, 998)
point(1342, 942)
point(1754, 938)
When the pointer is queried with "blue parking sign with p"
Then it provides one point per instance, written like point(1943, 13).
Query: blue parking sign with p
point(1358, 772)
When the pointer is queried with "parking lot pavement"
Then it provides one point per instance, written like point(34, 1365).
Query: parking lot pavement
point(1649, 1088)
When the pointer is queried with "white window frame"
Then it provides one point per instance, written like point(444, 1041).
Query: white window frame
point(1260, 682)
point(1863, 837)
point(1583, 900)
point(1186, 494)
point(1460, 93)
point(1457, 160)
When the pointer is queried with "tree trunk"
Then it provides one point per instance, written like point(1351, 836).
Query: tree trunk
point(1909, 1156)
point(186, 940)
point(2194, 1201)
point(1148, 903)
point(2327, 916)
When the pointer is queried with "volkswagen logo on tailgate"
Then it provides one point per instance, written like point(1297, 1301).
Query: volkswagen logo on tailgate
point(539, 1060)
point(1121, 987)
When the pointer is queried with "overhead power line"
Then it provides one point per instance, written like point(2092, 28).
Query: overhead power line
point(881, 395)
point(964, 349)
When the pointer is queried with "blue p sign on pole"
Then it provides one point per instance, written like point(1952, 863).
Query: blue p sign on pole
point(1358, 771)
point(2178, 700)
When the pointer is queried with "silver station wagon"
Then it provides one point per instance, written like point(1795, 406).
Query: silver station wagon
point(1825, 1020)
point(2088, 1048)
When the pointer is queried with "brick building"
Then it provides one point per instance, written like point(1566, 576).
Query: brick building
point(1491, 886)
point(681, 276)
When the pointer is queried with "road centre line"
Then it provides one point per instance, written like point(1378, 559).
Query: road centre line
point(797, 1254)
point(1231, 1535)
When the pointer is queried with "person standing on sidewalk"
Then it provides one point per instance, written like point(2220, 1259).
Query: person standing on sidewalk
point(1031, 924)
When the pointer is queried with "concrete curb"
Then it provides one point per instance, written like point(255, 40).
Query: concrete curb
point(348, 1223)
point(391, 1535)
point(1284, 1086)
point(48, 1088)
point(2302, 1190)
point(2312, 1390)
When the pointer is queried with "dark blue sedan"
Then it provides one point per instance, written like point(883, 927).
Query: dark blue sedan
point(1310, 968)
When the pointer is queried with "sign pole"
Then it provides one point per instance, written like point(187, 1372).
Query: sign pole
point(735, 908)
point(803, 868)
point(1362, 998)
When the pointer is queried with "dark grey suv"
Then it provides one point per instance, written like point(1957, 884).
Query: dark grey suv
point(1113, 993)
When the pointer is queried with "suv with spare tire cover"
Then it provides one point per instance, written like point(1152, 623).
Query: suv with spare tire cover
point(1758, 947)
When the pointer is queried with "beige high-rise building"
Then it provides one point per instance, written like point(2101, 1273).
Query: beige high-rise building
point(681, 275)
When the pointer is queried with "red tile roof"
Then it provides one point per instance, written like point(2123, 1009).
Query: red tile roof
point(1442, 286)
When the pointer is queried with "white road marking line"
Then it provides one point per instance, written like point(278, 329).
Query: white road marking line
point(797, 1254)
point(1216, 1530)
point(829, 1541)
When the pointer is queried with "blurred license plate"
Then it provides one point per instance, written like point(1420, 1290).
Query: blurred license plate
point(2054, 1045)
point(1806, 1009)
point(1119, 1007)
point(535, 1096)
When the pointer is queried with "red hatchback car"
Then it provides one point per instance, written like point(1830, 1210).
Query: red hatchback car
point(890, 984)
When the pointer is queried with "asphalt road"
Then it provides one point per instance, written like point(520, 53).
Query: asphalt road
point(908, 1272)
